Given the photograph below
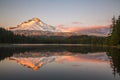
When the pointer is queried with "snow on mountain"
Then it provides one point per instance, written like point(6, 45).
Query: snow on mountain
point(34, 24)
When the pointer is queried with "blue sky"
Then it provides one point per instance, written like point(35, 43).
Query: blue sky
point(59, 12)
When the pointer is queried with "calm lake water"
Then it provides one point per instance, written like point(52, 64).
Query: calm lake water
point(52, 62)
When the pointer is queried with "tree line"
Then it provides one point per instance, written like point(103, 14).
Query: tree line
point(9, 37)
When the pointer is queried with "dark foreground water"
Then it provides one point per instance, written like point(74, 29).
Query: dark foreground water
point(59, 63)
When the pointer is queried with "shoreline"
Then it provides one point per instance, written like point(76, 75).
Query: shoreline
point(28, 45)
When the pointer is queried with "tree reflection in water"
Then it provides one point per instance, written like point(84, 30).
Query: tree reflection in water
point(114, 55)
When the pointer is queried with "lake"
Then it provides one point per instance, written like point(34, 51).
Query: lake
point(59, 62)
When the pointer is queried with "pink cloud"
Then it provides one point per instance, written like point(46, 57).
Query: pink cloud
point(76, 22)
point(60, 25)
point(79, 28)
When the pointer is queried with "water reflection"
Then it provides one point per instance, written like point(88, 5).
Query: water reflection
point(9, 51)
point(35, 60)
point(81, 60)
point(114, 55)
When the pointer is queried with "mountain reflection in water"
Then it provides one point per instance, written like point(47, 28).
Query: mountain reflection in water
point(36, 62)
point(81, 57)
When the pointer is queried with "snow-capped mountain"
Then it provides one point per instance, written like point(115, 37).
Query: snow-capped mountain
point(36, 27)
point(34, 24)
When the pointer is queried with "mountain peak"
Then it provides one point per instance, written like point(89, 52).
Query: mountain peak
point(34, 24)
point(36, 19)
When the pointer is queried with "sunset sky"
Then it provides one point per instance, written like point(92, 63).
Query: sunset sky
point(62, 13)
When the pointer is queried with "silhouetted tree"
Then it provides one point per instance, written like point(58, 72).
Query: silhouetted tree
point(115, 35)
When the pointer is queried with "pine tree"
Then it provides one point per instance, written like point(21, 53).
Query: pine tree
point(115, 35)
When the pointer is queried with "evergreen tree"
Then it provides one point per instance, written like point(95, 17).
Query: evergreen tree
point(115, 35)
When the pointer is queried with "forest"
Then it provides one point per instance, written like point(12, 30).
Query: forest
point(9, 37)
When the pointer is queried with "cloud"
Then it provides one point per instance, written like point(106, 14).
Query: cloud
point(78, 28)
point(60, 25)
point(76, 22)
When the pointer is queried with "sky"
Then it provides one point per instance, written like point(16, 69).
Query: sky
point(61, 13)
